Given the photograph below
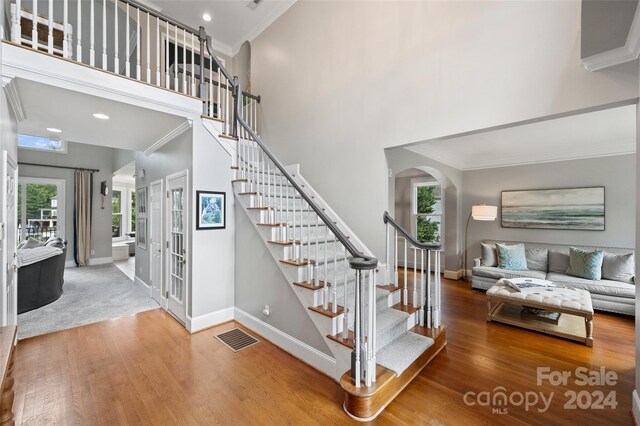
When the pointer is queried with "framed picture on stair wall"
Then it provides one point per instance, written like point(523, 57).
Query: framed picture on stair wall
point(211, 207)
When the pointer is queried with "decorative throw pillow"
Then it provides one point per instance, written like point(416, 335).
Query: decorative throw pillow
point(585, 264)
point(558, 261)
point(32, 243)
point(489, 256)
point(512, 257)
point(537, 259)
point(619, 267)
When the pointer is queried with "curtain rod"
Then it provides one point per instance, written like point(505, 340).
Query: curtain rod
point(59, 167)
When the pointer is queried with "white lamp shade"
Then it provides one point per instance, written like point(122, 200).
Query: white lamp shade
point(484, 212)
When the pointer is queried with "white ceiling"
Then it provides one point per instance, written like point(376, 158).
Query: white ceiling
point(594, 134)
point(129, 127)
point(233, 21)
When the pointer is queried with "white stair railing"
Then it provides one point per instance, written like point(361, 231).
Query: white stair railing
point(135, 41)
point(426, 286)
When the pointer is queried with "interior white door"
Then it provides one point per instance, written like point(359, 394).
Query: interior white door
point(156, 240)
point(177, 234)
point(9, 231)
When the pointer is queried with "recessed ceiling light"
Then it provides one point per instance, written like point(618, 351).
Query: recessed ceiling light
point(206, 17)
point(54, 130)
point(101, 116)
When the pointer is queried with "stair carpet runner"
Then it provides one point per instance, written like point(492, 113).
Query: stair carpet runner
point(396, 347)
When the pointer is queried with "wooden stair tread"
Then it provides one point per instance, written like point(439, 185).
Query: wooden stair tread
point(270, 224)
point(410, 309)
point(429, 332)
point(327, 312)
point(281, 243)
point(296, 263)
point(208, 117)
point(240, 180)
point(348, 342)
point(235, 168)
point(248, 193)
point(257, 208)
point(233, 138)
point(366, 403)
point(310, 286)
point(389, 287)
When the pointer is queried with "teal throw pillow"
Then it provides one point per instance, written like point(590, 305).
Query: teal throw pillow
point(512, 258)
point(585, 264)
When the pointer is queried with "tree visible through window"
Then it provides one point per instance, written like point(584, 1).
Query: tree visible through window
point(428, 211)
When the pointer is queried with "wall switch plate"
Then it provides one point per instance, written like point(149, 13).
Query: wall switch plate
point(93, 252)
point(266, 310)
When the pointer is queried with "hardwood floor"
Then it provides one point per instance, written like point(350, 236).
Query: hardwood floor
point(146, 369)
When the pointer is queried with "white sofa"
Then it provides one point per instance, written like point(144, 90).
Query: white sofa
point(550, 262)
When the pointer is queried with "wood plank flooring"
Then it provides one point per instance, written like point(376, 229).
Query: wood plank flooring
point(146, 369)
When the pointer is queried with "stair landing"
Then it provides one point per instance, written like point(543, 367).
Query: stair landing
point(366, 403)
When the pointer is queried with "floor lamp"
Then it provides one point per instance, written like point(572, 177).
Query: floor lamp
point(478, 212)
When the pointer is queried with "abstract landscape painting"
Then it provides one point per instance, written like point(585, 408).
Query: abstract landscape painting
point(575, 208)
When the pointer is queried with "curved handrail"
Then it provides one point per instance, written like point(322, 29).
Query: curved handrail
point(361, 260)
point(388, 219)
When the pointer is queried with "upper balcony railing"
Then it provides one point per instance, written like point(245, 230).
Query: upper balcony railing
point(130, 39)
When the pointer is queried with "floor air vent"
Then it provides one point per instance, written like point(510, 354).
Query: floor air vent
point(236, 339)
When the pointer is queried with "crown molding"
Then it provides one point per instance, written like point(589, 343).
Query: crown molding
point(439, 156)
point(629, 52)
point(183, 127)
point(264, 23)
point(13, 98)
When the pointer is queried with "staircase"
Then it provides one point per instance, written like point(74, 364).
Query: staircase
point(381, 328)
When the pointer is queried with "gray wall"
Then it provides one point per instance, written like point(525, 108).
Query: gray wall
point(171, 158)
point(358, 77)
point(83, 156)
point(263, 284)
point(122, 157)
point(605, 25)
point(617, 174)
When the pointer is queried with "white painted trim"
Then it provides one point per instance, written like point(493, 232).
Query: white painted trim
point(318, 360)
point(629, 52)
point(100, 260)
point(264, 23)
point(201, 322)
point(635, 407)
point(453, 275)
point(144, 286)
point(183, 127)
point(595, 151)
point(14, 99)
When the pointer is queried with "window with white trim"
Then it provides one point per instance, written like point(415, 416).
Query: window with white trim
point(123, 216)
point(39, 143)
point(428, 212)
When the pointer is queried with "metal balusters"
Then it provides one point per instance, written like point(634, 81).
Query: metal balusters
point(104, 34)
point(405, 292)
point(138, 65)
point(79, 33)
point(50, 37)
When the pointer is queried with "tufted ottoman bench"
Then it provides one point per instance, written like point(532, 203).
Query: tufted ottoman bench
point(576, 311)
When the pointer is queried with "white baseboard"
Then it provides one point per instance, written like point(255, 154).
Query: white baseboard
point(100, 260)
point(92, 262)
point(318, 360)
point(137, 281)
point(209, 320)
point(453, 275)
point(635, 407)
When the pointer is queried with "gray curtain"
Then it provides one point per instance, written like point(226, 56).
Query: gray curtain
point(82, 216)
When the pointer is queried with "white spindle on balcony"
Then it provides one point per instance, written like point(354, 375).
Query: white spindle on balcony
point(65, 29)
point(50, 37)
point(148, 49)
point(138, 66)
point(79, 33)
point(116, 61)
point(104, 34)
point(34, 25)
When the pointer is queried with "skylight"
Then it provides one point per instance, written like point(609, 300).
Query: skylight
point(41, 143)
